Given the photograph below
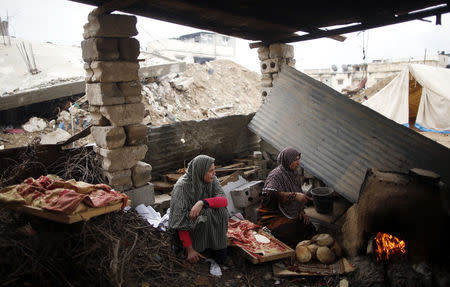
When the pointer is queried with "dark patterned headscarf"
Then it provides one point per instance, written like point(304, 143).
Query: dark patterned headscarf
point(283, 179)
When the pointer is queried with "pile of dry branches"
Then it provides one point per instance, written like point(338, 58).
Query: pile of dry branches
point(80, 164)
point(117, 249)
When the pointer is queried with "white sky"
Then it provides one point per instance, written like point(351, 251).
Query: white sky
point(61, 22)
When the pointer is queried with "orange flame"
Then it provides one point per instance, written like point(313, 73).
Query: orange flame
point(388, 245)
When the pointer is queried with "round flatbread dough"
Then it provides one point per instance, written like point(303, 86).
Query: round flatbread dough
point(304, 243)
point(313, 249)
point(303, 254)
point(324, 240)
point(325, 255)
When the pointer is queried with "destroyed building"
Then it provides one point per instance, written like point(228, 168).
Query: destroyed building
point(345, 146)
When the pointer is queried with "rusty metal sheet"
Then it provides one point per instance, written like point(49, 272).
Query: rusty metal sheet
point(340, 139)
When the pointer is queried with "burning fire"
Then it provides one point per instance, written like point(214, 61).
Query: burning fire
point(388, 245)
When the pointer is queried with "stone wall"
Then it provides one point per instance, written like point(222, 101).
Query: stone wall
point(173, 145)
point(114, 93)
point(272, 58)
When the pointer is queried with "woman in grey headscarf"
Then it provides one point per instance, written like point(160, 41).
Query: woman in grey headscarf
point(197, 211)
point(282, 209)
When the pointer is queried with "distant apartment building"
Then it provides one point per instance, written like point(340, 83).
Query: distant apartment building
point(195, 48)
point(352, 76)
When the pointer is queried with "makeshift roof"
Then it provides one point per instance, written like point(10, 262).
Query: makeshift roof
point(339, 138)
point(278, 21)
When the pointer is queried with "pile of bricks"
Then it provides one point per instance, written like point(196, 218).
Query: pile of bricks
point(114, 93)
point(272, 58)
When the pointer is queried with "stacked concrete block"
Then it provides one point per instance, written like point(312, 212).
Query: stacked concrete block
point(272, 58)
point(114, 93)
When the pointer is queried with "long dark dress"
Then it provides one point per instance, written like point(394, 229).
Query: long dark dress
point(279, 211)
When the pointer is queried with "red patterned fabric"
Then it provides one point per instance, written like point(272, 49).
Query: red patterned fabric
point(66, 201)
point(52, 193)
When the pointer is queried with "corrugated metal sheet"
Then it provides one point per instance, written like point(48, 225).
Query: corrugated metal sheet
point(339, 138)
point(222, 138)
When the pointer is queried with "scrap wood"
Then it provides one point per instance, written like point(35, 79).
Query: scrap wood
point(162, 186)
point(248, 161)
point(171, 177)
point(230, 170)
point(224, 180)
point(253, 171)
point(312, 269)
point(233, 165)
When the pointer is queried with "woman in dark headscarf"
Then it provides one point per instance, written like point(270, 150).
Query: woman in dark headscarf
point(197, 211)
point(282, 209)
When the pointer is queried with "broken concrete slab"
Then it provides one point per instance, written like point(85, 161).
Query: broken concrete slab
point(136, 134)
point(181, 83)
point(119, 180)
point(104, 94)
point(247, 194)
point(39, 95)
point(108, 137)
point(279, 50)
point(123, 115)
point(131, 91)
point(141, 195)
point(121, 158)
point(141, 173)
point(162, 202)
point(100, 49)
point(54, 137)
point(161, 70)
point(129, 49)
point(110, 26)
point(111, 71)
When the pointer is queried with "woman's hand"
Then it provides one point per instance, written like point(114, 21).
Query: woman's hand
point(304, 217)
point(192, 255)
point(195, 210)
point(301, 197)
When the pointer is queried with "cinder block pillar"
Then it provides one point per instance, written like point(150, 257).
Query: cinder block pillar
point(272, 58)
point(114, 93)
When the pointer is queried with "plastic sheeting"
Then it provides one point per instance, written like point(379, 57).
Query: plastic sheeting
point(434, 108)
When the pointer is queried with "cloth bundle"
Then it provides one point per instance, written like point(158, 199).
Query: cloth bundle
point(52, 193)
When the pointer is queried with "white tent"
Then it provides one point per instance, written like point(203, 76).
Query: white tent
point(419, 96)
